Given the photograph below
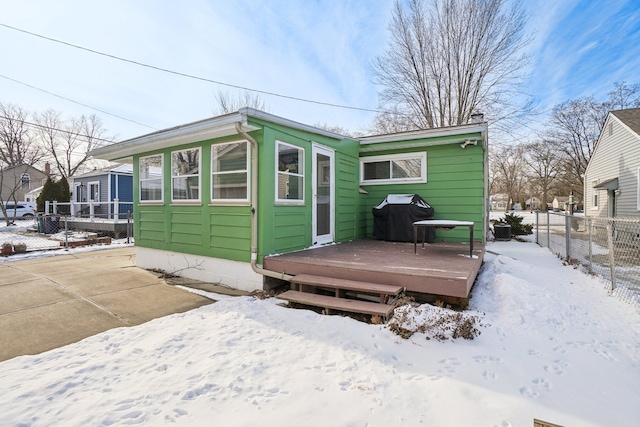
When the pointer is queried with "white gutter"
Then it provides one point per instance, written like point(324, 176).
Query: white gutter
point(254, 209)
point(425, 133)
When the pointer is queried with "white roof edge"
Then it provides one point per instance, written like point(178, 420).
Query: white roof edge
point(195, 131)
point(425, 133)
point(143, 143)
point(258, 114)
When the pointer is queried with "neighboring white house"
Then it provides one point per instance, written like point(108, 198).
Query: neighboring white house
point(612, 178)
point(532, 203)
point(32, 195)
point(498, 202)
point(560, 203)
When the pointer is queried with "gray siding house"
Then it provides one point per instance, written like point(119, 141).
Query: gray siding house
point(612, 177)
point(102, 187)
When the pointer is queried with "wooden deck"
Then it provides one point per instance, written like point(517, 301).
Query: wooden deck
point(438, 269)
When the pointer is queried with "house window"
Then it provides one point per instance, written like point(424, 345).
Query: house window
point(290, 173)
point(150, 176)
point(94, 191)
point(594, 200)
point(394, 168)
point(77, 192)
point(185, 175)
point(25, 181)
point(230, 171)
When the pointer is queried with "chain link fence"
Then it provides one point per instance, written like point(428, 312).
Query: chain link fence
point(55, 231)
point(606, 247)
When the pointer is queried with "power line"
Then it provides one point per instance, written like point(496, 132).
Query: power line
point(76, 102)
point(178, 73)
point(87, 137)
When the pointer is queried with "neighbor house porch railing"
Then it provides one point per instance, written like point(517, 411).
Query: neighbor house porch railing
point(606, 247)
point(115, 210)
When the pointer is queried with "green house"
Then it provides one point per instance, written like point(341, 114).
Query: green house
point(214, 197)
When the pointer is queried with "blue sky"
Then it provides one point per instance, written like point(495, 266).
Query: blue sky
point(318, 50)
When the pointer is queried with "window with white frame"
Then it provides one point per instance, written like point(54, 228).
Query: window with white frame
point(150, 176)
point(25, 181)
point(185, 175)
point(394, 168)
point(230, 171)
point(594, 196)
point(93, 191)
point(289, 173)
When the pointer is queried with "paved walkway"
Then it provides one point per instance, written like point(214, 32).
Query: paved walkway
point(49, 302)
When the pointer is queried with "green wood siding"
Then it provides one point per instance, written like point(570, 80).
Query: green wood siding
point(286, 228)
point(225, 231)
point(454, 188)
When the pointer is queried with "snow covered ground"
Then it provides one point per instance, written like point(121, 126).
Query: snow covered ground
point(39, 245)
point(554, 346)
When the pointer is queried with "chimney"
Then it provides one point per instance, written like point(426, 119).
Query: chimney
point(477, 117)
point(47, 168)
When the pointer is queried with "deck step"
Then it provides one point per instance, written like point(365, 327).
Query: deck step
point(328, 302)
point(347, 285)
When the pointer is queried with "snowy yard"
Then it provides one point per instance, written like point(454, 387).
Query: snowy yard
point(39, 245)
point(554, 346)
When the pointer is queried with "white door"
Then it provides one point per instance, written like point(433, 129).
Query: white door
point(323, 195)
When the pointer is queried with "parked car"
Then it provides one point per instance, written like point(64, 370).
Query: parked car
point(19, 210)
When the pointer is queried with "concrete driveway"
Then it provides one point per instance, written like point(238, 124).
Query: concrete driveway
point(49, 302)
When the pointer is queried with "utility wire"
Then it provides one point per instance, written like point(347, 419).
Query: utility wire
point(178, 73)
point(76, 102)
point(88, 138)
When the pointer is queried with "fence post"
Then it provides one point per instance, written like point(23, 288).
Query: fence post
point(567, 236)
point(612, 259)
point(128, 227)
point(590, 225)
point(66, 234)
point(46, 207)
point(116, 210)
point(91, 210)
point(55, 207)
point(537, 228)
point(548, 231)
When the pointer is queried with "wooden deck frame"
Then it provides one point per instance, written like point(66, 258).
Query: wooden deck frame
point(442, 270)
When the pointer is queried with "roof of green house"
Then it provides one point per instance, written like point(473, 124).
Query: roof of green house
point(225, 125)
point(214, 127)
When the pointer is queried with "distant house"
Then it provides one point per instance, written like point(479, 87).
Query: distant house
point(18, 181)
point(32, 196)
point(560, 203)
point(499, 202)
point(98, 190)
point(225, 192)
point(612, 177)
point(532, 203)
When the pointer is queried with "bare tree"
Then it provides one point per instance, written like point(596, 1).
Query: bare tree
point(623, 96)
point(68, 142)
point(228, 104)
point(575, 126)
point(448, 59)
point(545, 164)
point(391, 121)
point(17, 146)
point(507, 170)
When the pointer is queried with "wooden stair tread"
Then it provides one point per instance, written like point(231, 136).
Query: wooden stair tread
point(354, 306)
point(347, 285)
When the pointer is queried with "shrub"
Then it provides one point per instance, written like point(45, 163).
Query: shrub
point(517, 227)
